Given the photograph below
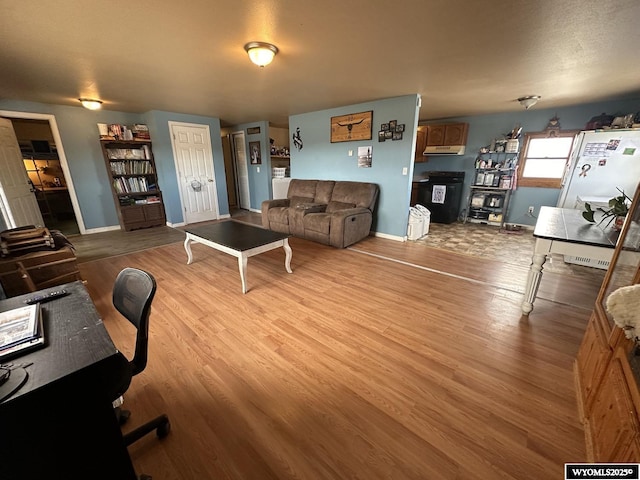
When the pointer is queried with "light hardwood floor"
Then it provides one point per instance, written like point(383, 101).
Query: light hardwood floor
point(385, 361)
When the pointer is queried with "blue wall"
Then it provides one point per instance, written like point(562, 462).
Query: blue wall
point(321, 159)
point(80, 141)
point(484, 128)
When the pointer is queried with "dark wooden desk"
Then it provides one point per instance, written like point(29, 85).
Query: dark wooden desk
point(564, 231)
point(61, 423)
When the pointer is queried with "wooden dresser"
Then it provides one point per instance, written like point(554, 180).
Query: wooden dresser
point(607, 369)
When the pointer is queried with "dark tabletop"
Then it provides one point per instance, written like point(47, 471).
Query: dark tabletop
point(237, 236)
point(76, 339)
point(567, 225)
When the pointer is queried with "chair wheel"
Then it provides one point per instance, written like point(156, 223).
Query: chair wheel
point(163, 429)
point(123, 416)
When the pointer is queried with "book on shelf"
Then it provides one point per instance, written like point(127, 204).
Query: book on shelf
point(21, 330)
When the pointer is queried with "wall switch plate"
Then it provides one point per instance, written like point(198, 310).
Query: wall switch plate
point(405, 170)
point(258, 169)
point(351, 153)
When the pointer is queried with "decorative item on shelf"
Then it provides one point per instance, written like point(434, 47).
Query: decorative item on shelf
point(618, 209)
point(624, 306)
point(553, 127)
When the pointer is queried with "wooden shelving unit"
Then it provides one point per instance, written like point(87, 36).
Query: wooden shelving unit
point(134, 183)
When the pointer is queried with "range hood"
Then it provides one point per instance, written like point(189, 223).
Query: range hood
point(444, 150)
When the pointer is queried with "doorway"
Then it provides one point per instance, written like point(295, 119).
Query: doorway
point(242, 170)
point(44, 169)
point(68, 220)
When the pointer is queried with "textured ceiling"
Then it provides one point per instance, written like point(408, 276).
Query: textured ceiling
point(464, 57)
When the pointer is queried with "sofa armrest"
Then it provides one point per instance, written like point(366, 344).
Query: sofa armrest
point(279, 202)
point(269, 204)
point(349, 226)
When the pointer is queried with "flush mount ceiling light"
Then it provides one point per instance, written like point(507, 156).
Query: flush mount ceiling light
point(91, 103)
point(529, 101)
point(261, 53)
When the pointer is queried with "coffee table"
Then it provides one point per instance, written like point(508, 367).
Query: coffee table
point(240, 240)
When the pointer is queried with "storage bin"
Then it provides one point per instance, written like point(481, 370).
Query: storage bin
point(416, 224)
point(426, 216)
point(279, 172)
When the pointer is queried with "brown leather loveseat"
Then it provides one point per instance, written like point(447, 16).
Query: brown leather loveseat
point(336, 213)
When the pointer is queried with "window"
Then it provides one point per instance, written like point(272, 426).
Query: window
point(545, 158)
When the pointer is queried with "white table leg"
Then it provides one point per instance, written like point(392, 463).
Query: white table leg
point(242, 266)
point(187, 247)
point(533, 282)
point(288, 253)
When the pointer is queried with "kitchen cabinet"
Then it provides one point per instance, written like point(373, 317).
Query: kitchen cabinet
point(134, 183)
point(607, 368)
point(421, 143)
point(447, 134)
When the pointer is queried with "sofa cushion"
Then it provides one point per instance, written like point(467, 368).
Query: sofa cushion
point(317, 222)
point(362, 194)
point(334, 206)
point(324, 190)
point(302, 188)
point(295, 201)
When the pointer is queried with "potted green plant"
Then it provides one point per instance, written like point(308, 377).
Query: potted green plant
point(618, 209)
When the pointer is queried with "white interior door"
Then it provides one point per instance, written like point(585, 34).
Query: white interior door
point(242, 169)
point(20, 206)
point(194, 166)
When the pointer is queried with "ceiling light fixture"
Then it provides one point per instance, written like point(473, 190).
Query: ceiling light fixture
point(529, 101)
point(91, 103)
point(261, 53)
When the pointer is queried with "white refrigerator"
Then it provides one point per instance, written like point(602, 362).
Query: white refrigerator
point(601, 162)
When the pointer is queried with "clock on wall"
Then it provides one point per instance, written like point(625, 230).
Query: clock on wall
point(354, 126)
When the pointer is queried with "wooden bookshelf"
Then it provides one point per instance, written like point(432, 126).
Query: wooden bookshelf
point(134, 183)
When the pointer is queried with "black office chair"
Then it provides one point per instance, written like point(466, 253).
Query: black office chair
point(133, 293)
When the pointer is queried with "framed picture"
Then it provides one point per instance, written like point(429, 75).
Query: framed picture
point(392, 125)
point(388, 134)
point(400, 128)
point(254, 152)
point(355, 126)
point(397, 136)
point(384, 127)
point(381, 136)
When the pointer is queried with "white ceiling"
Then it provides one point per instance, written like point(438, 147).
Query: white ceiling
point(464, 57)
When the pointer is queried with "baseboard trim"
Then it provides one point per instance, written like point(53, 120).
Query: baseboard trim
point(102, 229)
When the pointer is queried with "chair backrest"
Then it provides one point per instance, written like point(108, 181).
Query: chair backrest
point(133, 293)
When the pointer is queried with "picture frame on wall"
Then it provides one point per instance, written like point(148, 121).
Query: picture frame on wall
point(381, 137)
point(392, 125)
point(400, 128)
point(384, 127)
point(352, 127)
point(254, 153)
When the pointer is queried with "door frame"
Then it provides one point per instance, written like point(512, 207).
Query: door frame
point(61, 155)
point(235, 167)
point(171, 124)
